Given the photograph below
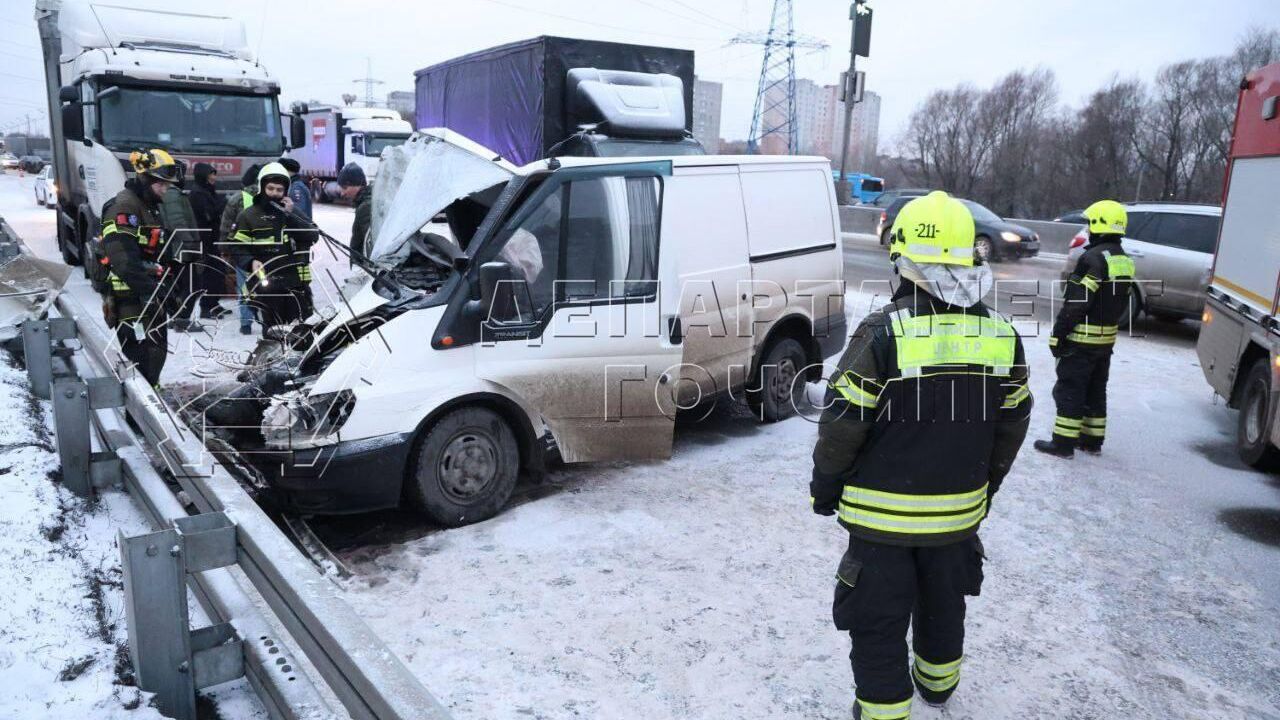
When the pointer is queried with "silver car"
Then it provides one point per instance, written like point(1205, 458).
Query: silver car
point(1172, 248)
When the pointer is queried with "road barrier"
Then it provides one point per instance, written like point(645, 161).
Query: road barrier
point(230, 554)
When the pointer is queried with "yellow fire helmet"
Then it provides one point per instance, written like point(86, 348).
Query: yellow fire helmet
point(155, 163)
point(935, 228)
point(1107, 217)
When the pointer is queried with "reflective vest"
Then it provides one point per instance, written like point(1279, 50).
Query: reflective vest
point(922, 477)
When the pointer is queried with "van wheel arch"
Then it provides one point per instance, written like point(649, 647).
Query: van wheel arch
point(798, 328)
point(531, 461)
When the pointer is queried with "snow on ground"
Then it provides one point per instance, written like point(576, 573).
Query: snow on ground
point(63, 633)
point(701, 587)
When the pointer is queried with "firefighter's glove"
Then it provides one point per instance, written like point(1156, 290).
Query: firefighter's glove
point(1055, 346)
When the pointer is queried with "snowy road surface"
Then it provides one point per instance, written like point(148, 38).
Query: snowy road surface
point(1141, 584)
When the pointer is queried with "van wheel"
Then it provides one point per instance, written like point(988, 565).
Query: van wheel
point(465, 467)
point(1136, 308)
point(780, 387)
point(1252, 431)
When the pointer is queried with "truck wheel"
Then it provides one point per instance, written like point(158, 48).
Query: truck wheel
point(465, 467)
point(780, 387)
point(1253, 431)
point(64, 248)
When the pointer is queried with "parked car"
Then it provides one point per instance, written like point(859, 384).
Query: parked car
point(31, 163)
point(46, 188)
point(1072, 217)
point(995, 239)
point(1172, 248)
point(887, 198)
point(9, 161)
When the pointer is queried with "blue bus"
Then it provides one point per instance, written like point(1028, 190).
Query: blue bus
point(863, 188)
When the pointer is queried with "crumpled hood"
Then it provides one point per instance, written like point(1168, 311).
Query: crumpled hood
point(953, 284)
point(420, 178)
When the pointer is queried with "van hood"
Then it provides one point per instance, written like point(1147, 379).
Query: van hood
point(420, 178)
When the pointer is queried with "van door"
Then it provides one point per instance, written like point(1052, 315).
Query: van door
point(585, 343)
point(704, 224)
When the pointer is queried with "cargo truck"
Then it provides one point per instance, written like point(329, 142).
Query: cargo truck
point(1239, 345)
point(120, 79)
point(336, 136)
point(547, 96)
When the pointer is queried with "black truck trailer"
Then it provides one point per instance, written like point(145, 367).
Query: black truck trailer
point(548, 95)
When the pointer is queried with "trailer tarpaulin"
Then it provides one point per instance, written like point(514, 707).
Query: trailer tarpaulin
point(511, 98)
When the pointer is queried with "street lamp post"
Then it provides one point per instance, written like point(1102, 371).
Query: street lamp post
point(859, 44)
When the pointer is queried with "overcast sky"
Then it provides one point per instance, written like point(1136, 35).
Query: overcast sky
point(317, 48)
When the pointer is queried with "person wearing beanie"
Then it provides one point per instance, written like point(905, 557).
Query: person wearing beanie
point(357, 189)
point(209, 272)
point(299, 193)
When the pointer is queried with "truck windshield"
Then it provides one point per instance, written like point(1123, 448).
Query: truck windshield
point(373, 144)
point(191, 121)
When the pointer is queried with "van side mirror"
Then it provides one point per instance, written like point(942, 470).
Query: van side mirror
point(68, 93)
point(72, 121)
point(297, 132)
point(497, 292)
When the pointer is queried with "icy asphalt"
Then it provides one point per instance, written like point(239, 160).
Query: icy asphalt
point(1141, 584)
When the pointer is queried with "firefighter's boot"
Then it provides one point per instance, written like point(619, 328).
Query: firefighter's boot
point(1058, 447)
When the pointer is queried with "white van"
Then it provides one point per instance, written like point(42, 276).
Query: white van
point(566, 306)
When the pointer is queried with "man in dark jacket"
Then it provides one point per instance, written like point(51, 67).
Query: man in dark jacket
point(1096, 298)
point(299, 193)
point(274, 247)
point(356, 188)
point(925, 415)
point(209, 272)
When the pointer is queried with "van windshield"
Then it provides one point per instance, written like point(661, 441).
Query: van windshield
point(190, 121)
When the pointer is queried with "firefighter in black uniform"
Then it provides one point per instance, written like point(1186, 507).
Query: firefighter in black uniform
point(1096, 298)
point(277, 248)
point(924, 417)
point(141, 293)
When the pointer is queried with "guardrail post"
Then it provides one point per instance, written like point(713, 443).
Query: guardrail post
point(169, 658)
point(37, 350)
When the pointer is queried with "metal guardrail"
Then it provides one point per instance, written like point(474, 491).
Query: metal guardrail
point(363, 674)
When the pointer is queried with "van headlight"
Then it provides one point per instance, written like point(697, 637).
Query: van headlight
point(300, 420)
point(1011, 236)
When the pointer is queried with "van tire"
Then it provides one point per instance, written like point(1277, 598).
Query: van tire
point(780, 387)
point(464, 467)
point(1253, 432)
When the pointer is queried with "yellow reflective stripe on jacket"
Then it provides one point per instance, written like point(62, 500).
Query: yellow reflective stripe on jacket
point(117, 283)
point(847, 384)
point(1093, 334)
point(954, 339)
point(1016, 398)
point(1120, 267)
point(304, 273)
point(251, 239)
point(885, 711)
point(246, 198)
point(1089, 282)
point(912, 514)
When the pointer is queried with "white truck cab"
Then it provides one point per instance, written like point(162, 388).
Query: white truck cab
point(570, 305)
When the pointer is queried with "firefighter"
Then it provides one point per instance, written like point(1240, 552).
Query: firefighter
point(276, 249)
point(925, 414)
point(135, 242)
point(1096, 298)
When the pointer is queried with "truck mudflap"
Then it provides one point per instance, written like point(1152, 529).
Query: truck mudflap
point(348, 477)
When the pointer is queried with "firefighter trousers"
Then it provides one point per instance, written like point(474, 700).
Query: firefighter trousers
point(1081, 395)
point(881, 591)
point(144, 340)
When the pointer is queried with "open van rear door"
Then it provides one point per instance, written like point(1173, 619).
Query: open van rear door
point(591, 344)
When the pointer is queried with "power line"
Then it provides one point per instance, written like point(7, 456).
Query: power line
point(707, 15)
point(596, 24)
point(674, 14)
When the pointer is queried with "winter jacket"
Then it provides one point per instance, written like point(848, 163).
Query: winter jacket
point(925, 414)
point(301, 196)
point(207, 204)
point(133, 238)
point(278, 241)
point(1096, 297)
point(364, 217)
